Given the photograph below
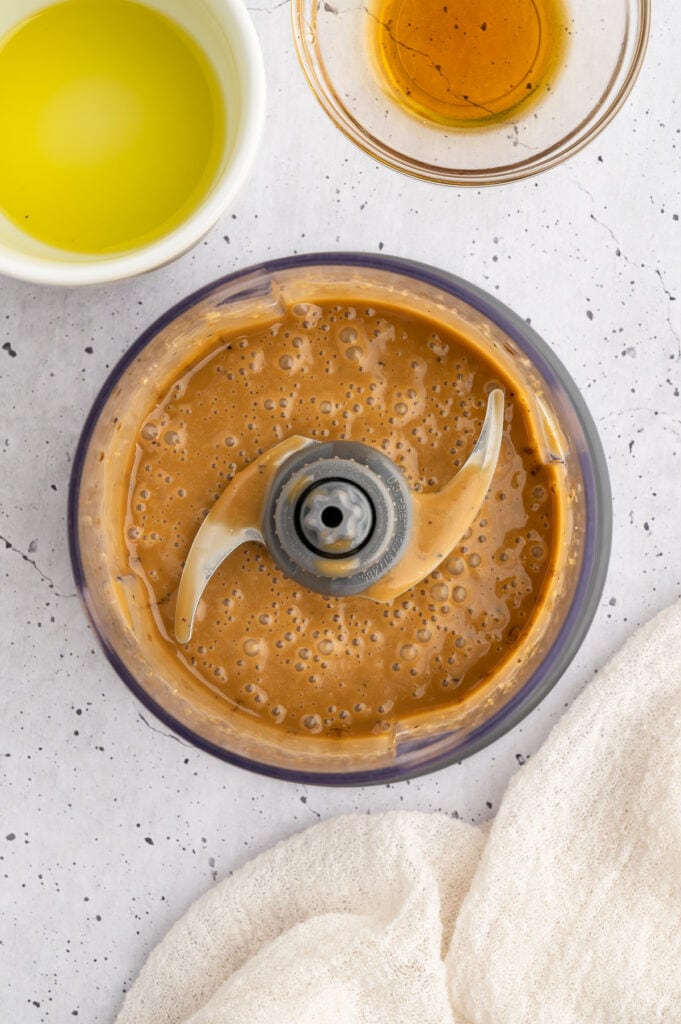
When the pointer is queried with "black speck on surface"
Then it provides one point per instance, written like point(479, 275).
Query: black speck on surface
point(10, 835)
point(148, 839)
point(9, 350)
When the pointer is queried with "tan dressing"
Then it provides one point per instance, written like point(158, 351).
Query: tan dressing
point(220, 534)
point(416, 390)
point(441, 518)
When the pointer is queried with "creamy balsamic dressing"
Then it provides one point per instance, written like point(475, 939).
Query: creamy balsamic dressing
point(414, 389)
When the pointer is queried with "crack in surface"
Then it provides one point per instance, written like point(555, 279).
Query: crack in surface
point(673, 428)
point(636, 266)
point(268, 10)
point(516, 141)
point(46, 579)
point(168, 735)
point(304, 801)
point(437, 67)
point(670, 298)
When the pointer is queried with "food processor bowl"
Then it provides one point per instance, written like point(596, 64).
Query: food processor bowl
point(120, 607)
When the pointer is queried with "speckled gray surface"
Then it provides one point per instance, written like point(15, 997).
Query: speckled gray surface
point(109, 825)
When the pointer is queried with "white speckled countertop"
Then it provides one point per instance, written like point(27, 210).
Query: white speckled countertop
point(109, 825)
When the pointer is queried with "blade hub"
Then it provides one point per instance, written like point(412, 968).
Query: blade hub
point(337, 517)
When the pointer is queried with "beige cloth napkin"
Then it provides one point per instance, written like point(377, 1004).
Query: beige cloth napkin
point(567, 911)
point(348, 921)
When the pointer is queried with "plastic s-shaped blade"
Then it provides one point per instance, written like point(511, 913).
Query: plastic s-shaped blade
point(441, 518)
point(235, 518)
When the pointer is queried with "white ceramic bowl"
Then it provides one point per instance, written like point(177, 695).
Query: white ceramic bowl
point(224, 31)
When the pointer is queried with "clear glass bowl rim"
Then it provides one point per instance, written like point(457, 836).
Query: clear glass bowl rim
point(575, 140)
point(596, 491)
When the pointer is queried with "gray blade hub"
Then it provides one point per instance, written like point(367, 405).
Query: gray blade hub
point(337, 517)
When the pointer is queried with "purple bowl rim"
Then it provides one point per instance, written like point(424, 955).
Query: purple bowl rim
point(598, 516)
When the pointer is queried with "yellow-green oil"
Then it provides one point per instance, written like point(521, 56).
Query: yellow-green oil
point(112, 125)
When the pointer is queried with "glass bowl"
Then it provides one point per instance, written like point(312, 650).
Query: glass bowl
point(117, 601)
point(593, 75)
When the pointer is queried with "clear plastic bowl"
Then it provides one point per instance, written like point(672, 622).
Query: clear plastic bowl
point(607, 43)
point(118, 605)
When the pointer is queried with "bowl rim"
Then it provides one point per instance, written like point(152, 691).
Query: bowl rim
point(89, 269)
point(597, 496)
point(567, 146)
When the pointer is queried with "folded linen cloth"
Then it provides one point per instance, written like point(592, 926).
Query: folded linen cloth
point(347, 922)
point(574, 914)
point(567, 911)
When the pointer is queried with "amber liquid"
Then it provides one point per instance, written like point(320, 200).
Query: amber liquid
point(468, 62)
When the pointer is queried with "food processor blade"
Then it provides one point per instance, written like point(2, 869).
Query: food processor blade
point(339, 517)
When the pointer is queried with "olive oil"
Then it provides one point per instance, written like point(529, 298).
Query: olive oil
point(468, 62)
point(112, 125)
